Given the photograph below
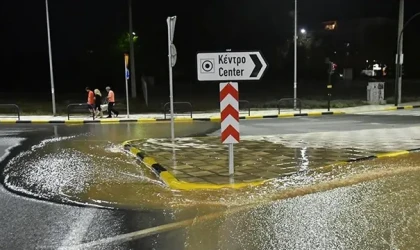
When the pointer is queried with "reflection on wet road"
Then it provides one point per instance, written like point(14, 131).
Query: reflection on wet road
point(368, 205)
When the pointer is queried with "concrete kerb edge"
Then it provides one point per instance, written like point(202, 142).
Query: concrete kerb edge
point(172, 182)
point(157, 120)
point(187, 119)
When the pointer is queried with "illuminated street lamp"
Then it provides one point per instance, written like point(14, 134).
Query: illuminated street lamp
point(303, 31)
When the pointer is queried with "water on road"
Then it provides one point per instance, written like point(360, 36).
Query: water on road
point(366, 205)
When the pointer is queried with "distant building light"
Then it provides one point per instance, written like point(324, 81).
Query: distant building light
point(376, 67)
point(330, 25)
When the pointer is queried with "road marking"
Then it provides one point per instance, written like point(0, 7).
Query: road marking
point(264, 201)
point(78, 229)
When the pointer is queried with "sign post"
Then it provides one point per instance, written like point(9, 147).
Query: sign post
point(172, 55)
point(229, 114)
point(230, 66)
point(127, 76)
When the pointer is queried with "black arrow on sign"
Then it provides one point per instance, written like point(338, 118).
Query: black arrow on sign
point(258, 65)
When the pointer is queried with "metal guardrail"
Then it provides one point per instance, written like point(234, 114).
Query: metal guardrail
point(72, 106)
point(292, 100)
point(14, 106)
point(247, 107)
point(166, 107)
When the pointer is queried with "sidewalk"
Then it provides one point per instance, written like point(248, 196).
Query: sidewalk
point(202, 163)
point(210, 116)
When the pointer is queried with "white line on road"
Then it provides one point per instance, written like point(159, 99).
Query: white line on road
point(78, 229)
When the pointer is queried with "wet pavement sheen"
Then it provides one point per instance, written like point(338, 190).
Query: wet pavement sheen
point(205, 159)
point(366, 205)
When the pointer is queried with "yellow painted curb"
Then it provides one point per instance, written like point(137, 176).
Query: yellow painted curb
point(390, 108)
point(254, 117)
point(285, 115)
point(110, 121)
point(174, 183)
point(7, 121)
point(183, 119)
point(40, 121)
point(146, 120)
point(215, 119)
point(73, 121)
point(315, 114)
point(392, 154)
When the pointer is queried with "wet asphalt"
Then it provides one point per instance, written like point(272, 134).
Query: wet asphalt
point(29, 223)
point(325, 123)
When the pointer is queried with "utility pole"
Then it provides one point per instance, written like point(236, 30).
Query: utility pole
point(398, 63)
point(50, 56)
point(132, 66)
point(295, 59)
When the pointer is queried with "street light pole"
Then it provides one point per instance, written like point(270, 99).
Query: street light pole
point(132, 66)
point(398, 71)
point(50, 57)
point(295, 60)
point(399, 59)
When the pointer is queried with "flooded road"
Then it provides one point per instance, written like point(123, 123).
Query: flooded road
point(377, 209)
point(367, 205)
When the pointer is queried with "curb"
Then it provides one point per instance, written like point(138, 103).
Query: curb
point(402, 107)
point(155, 120)
point(185, 119)
point(172, 182)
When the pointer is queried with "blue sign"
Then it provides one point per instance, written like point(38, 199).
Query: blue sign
point(127, 74)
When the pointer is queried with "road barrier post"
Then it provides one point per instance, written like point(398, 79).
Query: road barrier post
point(229, 108)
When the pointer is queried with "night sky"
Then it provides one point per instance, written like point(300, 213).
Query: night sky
point(89, 29)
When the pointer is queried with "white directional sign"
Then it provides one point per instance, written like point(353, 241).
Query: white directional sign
point(230, 66)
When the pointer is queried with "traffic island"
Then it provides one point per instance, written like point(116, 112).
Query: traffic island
point(202, 163)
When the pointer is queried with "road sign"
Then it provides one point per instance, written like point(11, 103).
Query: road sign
point(229, 108)
point(174, 55)
point(127, 74)
point(230, 66)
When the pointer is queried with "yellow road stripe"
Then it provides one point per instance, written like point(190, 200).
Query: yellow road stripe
point(339, 113)
point(408, 107)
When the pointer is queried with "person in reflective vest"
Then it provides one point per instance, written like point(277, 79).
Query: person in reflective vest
point(90, 100)
point(111, 103)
